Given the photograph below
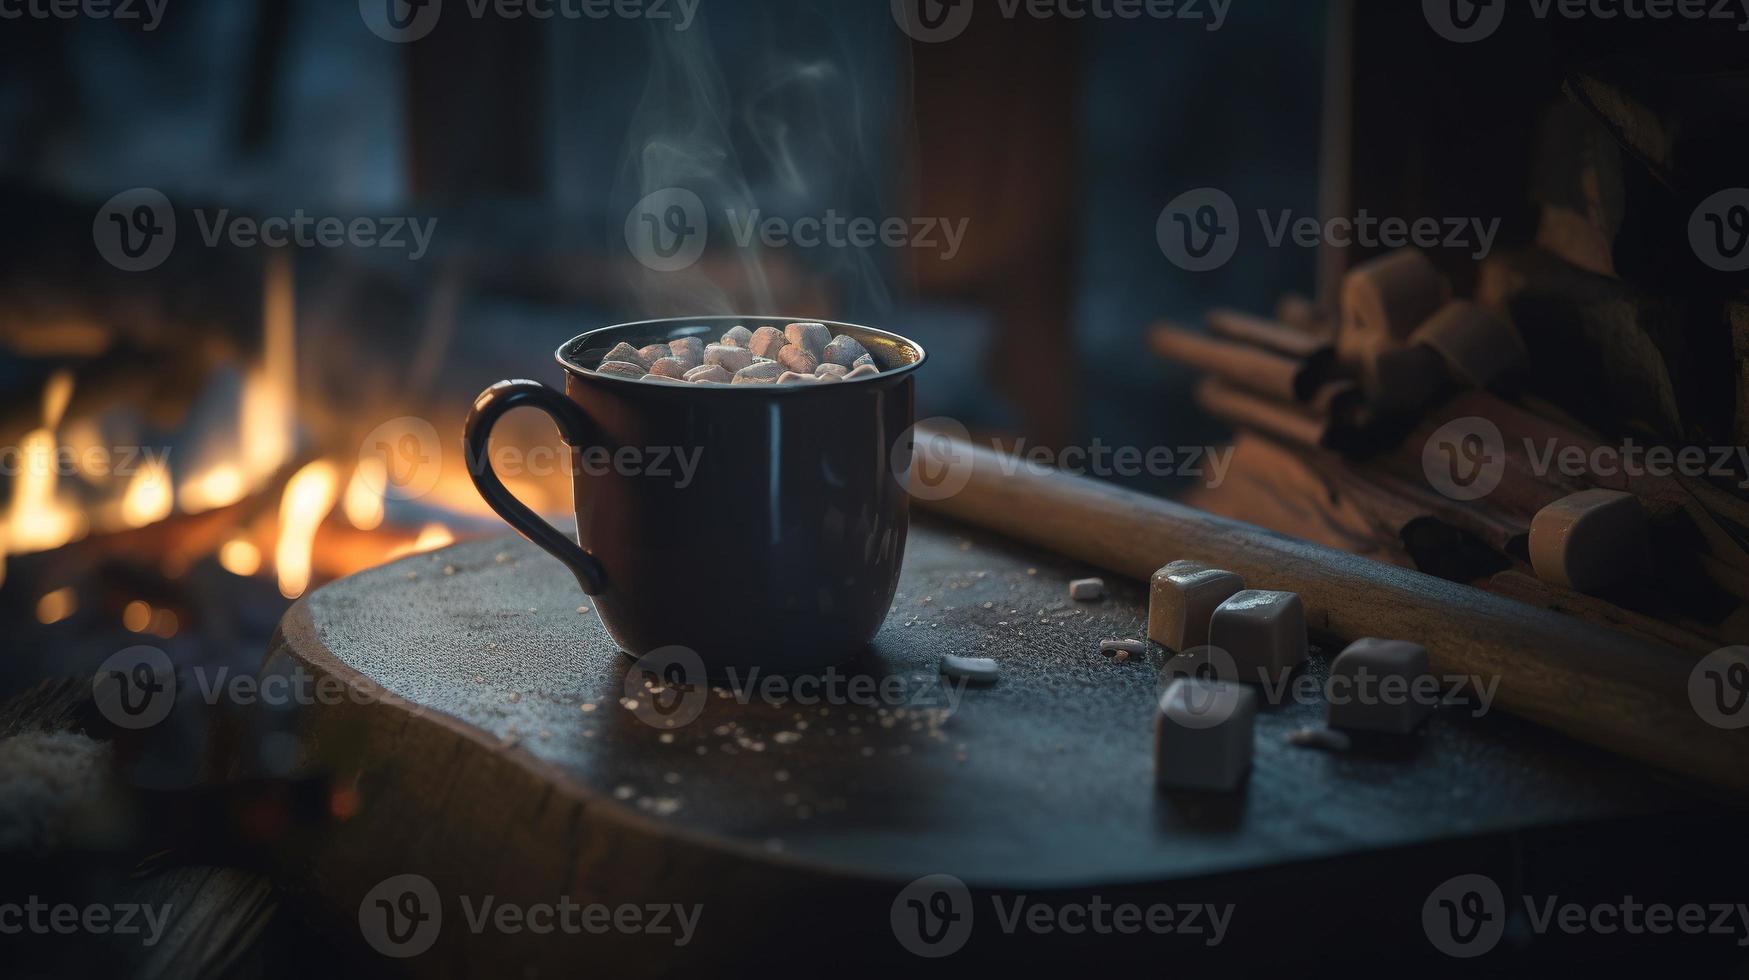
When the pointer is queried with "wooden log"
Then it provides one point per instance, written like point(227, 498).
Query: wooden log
point(1286, 423)
point(1256, 369)
point(1611, 690)
point(1270, 335)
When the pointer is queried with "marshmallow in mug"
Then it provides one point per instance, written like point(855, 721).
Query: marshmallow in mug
point(800, 353)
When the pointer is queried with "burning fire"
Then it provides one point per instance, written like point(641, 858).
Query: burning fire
point(40, 518)
point(147, 499)
point(234, 466)
point(309, 496)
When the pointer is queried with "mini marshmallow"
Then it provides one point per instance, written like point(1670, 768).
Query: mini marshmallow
point(709, 374)
point(811, 337)
point(766, 342)
point(792, 378)
point(978, 670)
point(620, 369)
point(627, 354)
point(1124, 649)
point(863, 371)
point(668, 367)
point(1203, 732)
point(1263, 631)
point(798, 359)
point(831, 370)
point(843, 349)
point(866, 359)
point(1377, 685)
point(761, 373)
point(730, 358)
point(690, 351)
point(651, 353)
point(737, 336)
point(1087, 589)
point(1182, 597)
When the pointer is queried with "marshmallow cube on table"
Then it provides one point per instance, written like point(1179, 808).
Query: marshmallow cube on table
point(1589, 540)
point(1203, 732)
point(1182, 598)
point(1264, 632)
point(1377, 685)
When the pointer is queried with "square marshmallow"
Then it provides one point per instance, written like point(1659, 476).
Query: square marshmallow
point(1263, 632)
point(1377, 685)
point(1202, 734)
point(1182, 598)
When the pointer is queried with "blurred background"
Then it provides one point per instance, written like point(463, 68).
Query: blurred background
point(257, 387)
point(197, 426)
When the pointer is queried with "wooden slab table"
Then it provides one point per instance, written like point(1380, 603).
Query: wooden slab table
point(495, 756)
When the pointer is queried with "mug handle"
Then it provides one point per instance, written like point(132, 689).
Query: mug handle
point(477, 439)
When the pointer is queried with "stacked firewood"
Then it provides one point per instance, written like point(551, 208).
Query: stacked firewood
point(1403, 428)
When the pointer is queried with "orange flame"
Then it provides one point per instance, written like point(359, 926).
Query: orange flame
point(308, 498)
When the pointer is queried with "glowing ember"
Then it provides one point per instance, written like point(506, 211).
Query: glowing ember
point(56, 606)
point(220, 486)
point(431, 537)
point(39, 519)
point(136, 615)
point(239, 556)
point(309, 496)
point(148, 496)
point(363, 504)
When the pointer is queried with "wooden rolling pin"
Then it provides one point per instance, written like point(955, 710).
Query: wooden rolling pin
point(1614, 691)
